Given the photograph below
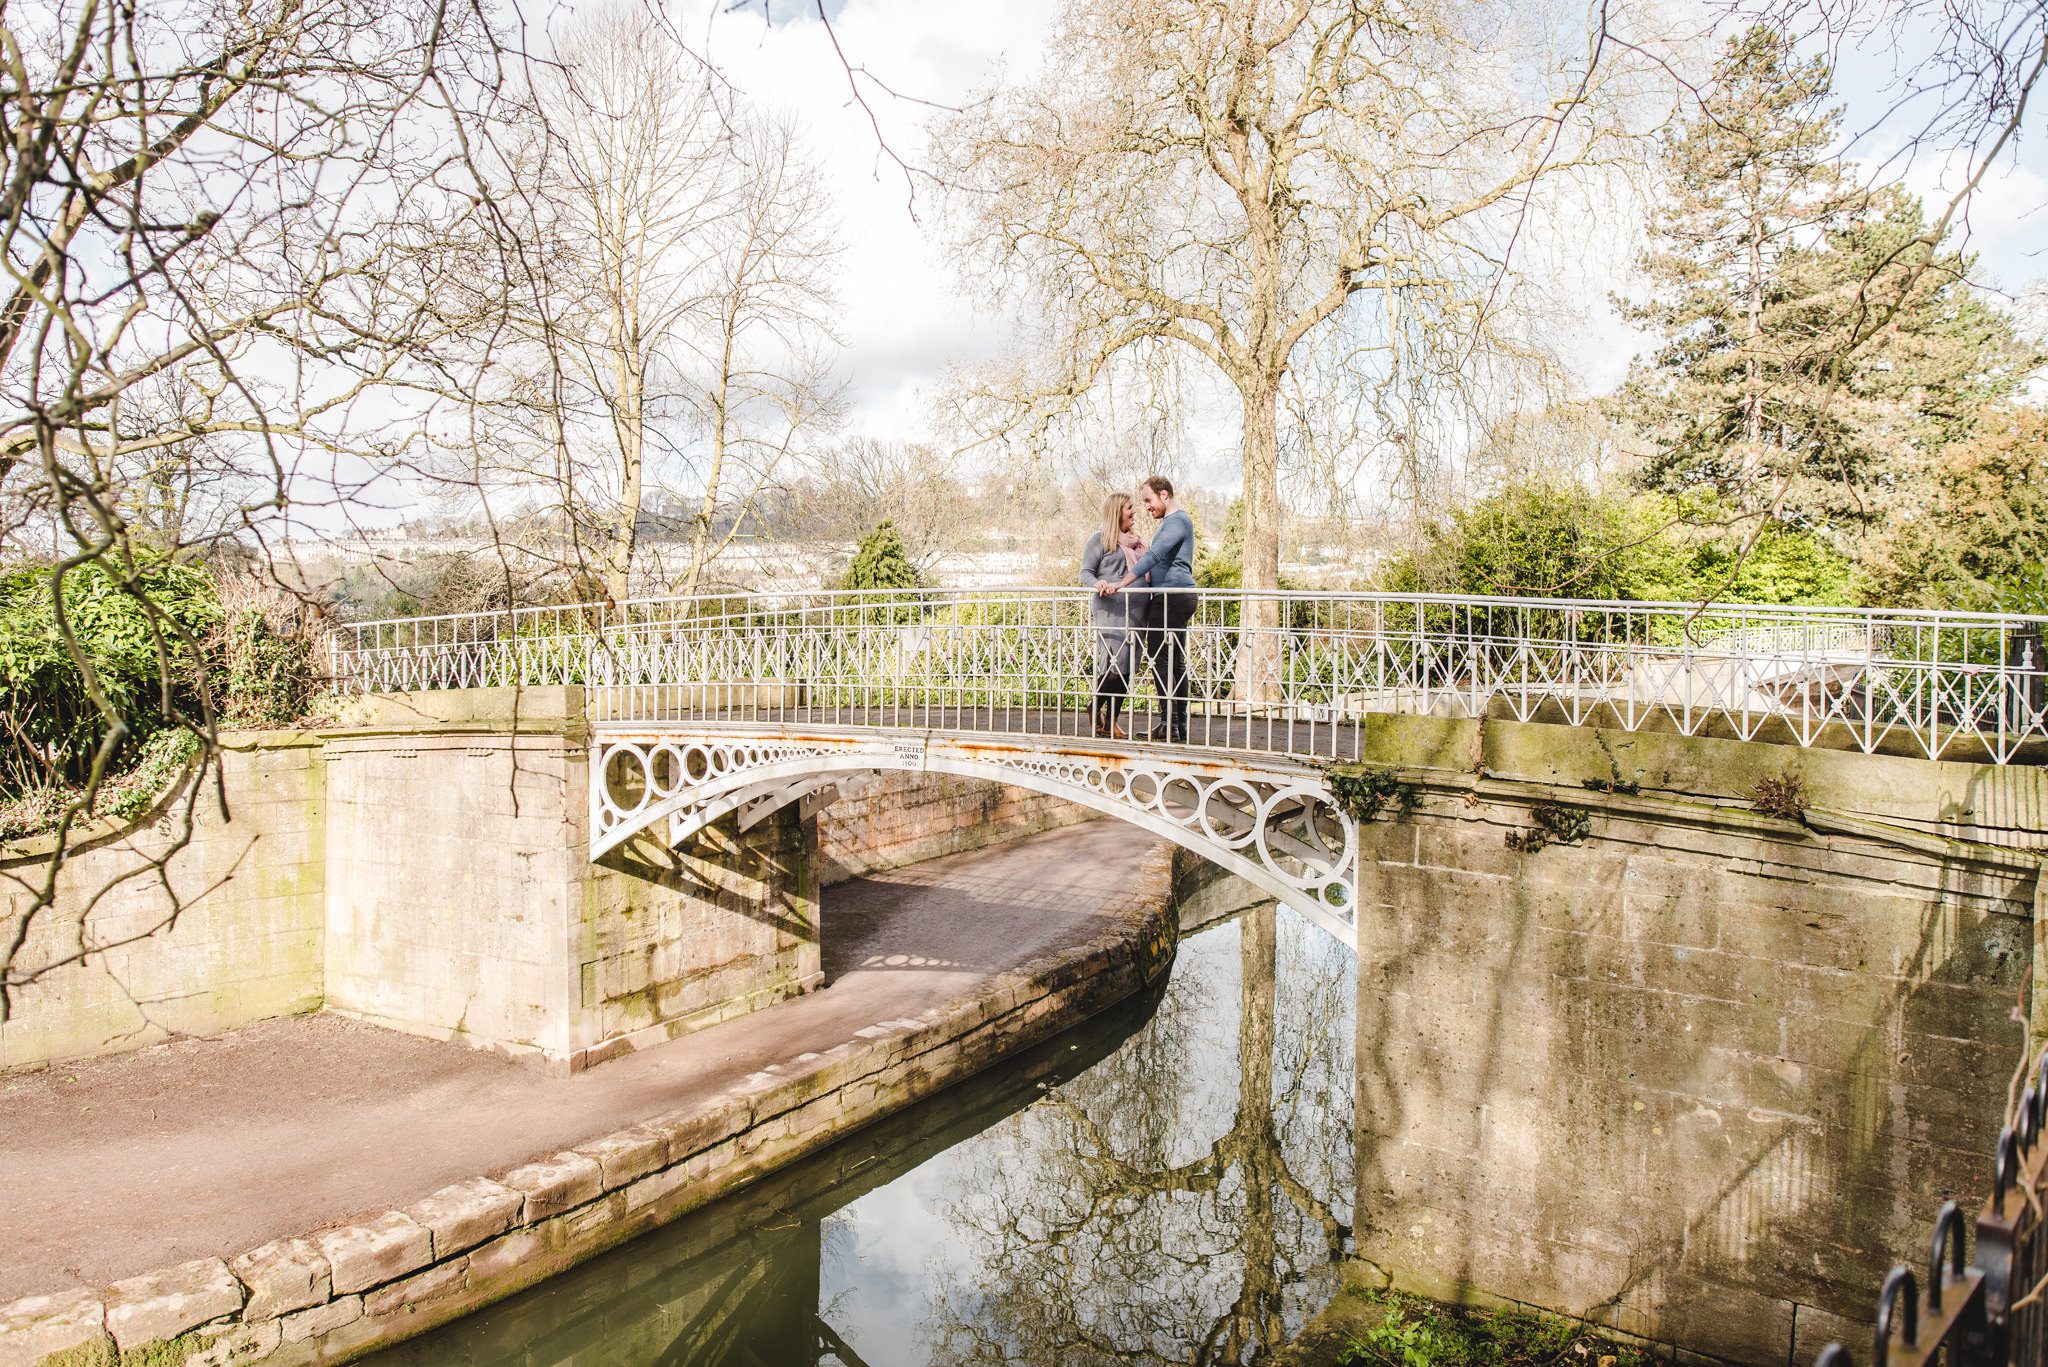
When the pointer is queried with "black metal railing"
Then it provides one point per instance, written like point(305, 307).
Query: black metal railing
point(1985, 1310)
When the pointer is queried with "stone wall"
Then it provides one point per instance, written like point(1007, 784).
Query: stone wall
point(452, 878)
point(686, 940)
point(462, 902)
point(229, 933)
point(1702, 1075)
point(1204, 892)
point(900, 819)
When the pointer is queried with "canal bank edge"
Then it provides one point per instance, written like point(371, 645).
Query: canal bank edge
point(333, 1294)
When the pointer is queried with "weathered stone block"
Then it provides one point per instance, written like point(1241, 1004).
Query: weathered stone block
point(287, 1275)
point(439, 1282)
point(555, 1184)
point(376, 1251)
point(585, 1226)
point(657, 1188)
point(513, 1253)
point(244, 1343)
point(36, 1326)
point(626, 1154)
point(163, 1305)
point(464, 1215)
point(321, 1319)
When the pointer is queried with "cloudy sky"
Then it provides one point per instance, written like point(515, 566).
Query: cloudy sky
point(905, 320)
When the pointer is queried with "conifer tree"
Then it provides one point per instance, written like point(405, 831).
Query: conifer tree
point(1811, 372)
point(1747, 176)
point(881, 562)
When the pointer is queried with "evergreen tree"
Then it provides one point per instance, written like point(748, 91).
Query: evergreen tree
point(881, 562)
point(1876, 419)
point(1809, 369)
point(1981, 539)
point(1747, 177)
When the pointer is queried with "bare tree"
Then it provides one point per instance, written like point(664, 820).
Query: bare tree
point(763, 387)
point(218, 228)
point(1232, 178)
point(590, 277)
point(863, 481)
point(651, 314)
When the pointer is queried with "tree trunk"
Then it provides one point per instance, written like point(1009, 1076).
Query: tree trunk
point(721, 400)
point(629, 425)
point(1752, 368)
point(1258, 656)
point(618, 577)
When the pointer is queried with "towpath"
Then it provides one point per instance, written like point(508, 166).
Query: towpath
point(203, 1148)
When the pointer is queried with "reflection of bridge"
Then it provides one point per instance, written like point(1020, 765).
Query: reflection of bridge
point(712, 706)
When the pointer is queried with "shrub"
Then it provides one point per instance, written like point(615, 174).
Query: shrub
point(1562, 541)
point(1780, 797)
point(1556, 824)
point(136, 631)
point(881, 562)
point(150, 638)
point(1548, 541)
point(1365, 793)
point(1784, 566)
point(159, 763)
point(262, 657)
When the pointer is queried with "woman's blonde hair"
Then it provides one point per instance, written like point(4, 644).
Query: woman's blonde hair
point(1113, 519)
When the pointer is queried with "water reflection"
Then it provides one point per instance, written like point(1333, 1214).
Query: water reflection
point(1170, 1184)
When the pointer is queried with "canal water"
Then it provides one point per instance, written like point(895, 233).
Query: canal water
point(1169, 1183)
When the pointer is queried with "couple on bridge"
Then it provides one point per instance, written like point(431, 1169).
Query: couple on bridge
point(1144, 600)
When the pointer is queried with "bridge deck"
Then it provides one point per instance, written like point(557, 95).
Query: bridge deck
point(1208, 731)
point(1230, 729)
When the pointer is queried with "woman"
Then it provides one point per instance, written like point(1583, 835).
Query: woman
point(1107, 559)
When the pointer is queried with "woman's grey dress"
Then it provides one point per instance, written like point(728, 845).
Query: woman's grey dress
point(1120, 617)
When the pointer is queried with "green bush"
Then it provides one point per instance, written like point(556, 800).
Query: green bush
point(881, 562)
point(154, 640)
point(1547, 541)
point(127, 628)
point(1563, 541)
point(1784, 566)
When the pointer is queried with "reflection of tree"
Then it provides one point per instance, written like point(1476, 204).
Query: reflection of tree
point(1107, 1236)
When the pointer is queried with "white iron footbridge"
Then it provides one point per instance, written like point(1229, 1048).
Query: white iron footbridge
point(740, 704)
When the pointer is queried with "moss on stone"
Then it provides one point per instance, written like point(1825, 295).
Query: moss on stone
point(1366, 790)
point(101, 1352)
point(1407, 1331)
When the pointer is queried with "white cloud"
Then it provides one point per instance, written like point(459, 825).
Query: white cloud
point(905, 318)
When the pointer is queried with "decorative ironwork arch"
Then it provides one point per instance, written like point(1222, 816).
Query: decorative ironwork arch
point(1276, 824)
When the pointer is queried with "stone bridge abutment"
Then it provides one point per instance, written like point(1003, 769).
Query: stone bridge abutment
point(1631, 1050)
point(426, 866)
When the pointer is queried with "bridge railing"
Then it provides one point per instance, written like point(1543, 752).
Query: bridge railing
point(1289, 672)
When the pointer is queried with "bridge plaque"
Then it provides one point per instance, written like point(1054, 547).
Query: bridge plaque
point(910, 753)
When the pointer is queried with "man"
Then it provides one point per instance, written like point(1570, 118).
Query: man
point(1171, 563)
